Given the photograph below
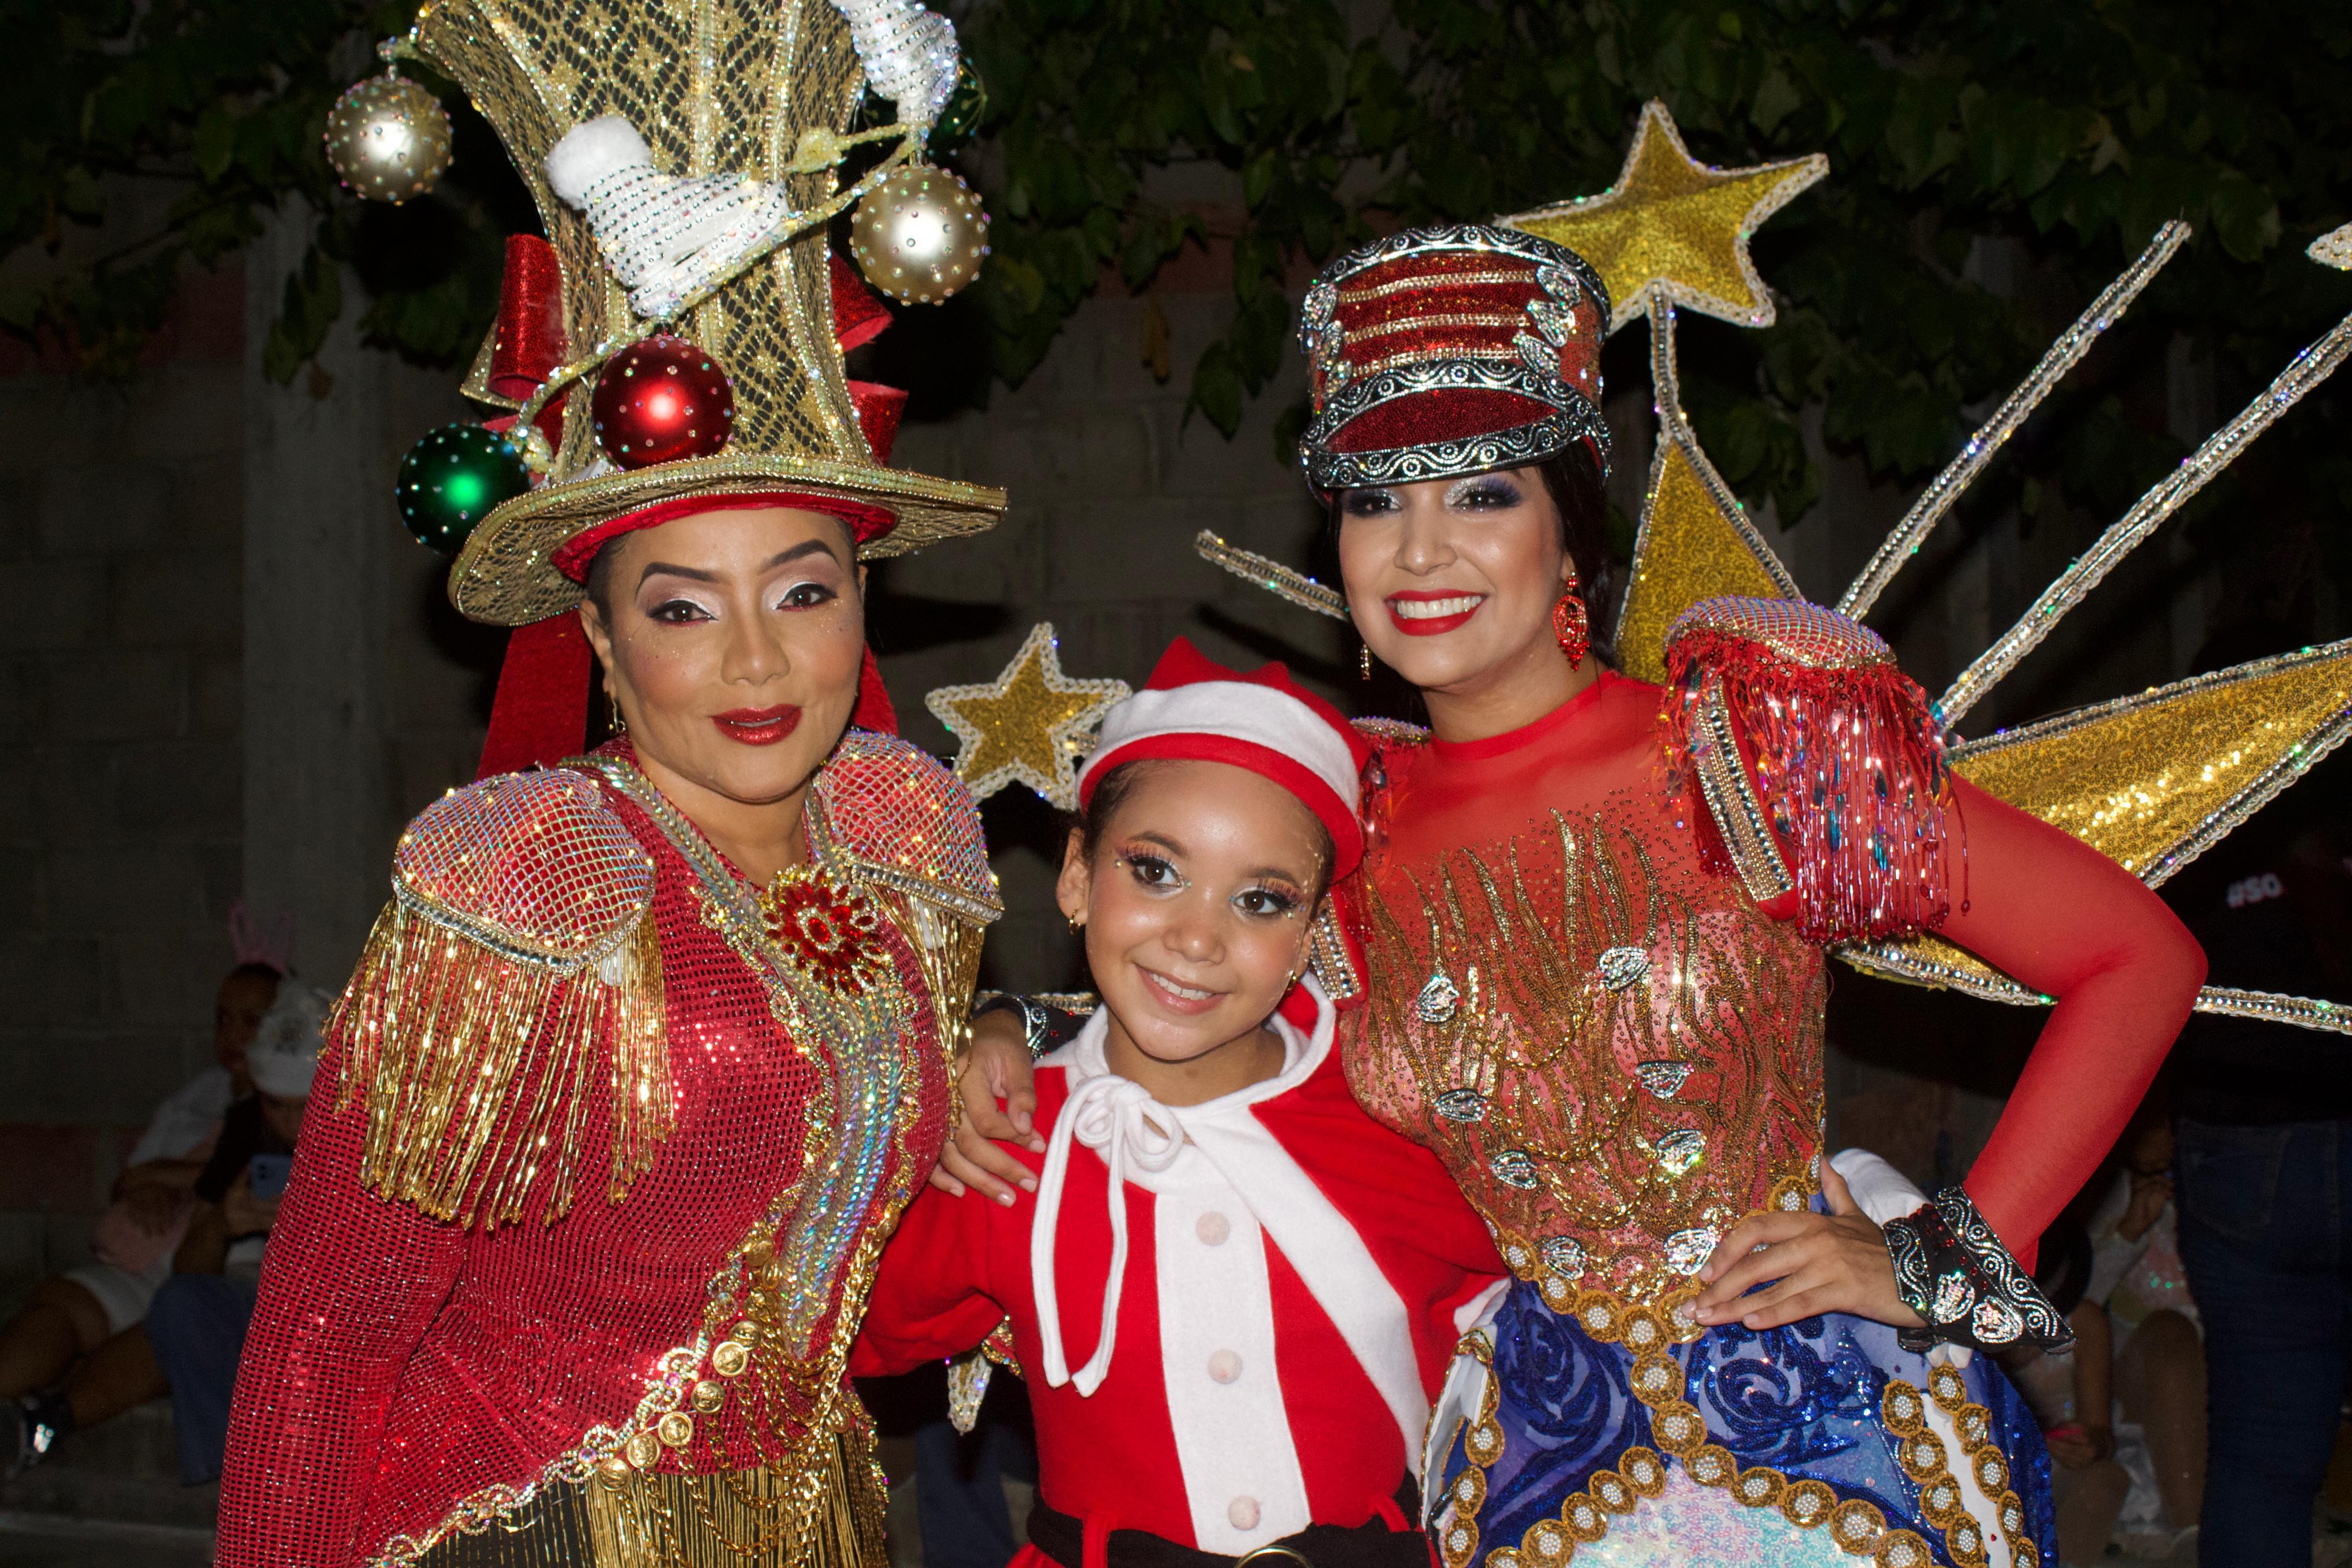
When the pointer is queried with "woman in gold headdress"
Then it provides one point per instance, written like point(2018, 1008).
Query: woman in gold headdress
point(650, 1046)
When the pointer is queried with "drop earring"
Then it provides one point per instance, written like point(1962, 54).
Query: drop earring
point(1568, 623)
point(1076, 924)
point(1364, 661)
point(620, 725)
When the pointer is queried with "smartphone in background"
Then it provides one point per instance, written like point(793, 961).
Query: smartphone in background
point(270, 1173)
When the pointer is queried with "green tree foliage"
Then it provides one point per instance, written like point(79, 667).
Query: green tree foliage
point(196, 120)
point(2061, 134)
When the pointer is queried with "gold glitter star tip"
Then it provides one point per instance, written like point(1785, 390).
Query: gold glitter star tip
point(1030, 726)
point(2334, 249)
point(1673, 229)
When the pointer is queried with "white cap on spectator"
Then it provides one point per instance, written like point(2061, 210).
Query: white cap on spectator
point(284, 1056)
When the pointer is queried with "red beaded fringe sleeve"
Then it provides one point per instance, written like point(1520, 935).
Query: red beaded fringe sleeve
point(1816, 766)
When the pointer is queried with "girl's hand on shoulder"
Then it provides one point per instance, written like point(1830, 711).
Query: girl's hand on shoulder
point(996, 1067)
point(1809, 1264)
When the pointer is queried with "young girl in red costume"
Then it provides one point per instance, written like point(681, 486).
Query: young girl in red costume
point(1234, 1293)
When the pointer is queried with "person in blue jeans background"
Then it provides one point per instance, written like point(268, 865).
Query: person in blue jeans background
point(2262, 1167)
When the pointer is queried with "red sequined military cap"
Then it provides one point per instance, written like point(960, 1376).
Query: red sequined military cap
point(1441, 351)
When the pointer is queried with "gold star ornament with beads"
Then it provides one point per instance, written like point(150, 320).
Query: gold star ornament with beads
point(1673, 229)
point(1029, 726)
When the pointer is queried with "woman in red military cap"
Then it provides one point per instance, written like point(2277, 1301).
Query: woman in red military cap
point(1592, 924)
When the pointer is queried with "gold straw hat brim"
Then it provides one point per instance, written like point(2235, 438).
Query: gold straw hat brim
point(506, 573)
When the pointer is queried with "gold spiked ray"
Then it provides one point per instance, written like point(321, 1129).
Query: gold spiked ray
point(1696, 541)
point(2152, 781)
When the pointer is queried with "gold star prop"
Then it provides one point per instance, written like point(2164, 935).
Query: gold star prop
point(1673, 229)
point(1029, 726)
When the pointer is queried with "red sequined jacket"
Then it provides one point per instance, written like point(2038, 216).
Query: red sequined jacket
point(605, 1144)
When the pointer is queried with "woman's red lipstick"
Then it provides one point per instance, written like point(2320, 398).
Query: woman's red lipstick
point(759, 726)
point(1427, 626)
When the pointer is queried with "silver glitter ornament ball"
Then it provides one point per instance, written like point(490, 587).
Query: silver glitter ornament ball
point(388, 138)
point(918, 234)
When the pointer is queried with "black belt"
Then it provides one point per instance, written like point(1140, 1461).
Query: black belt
point(1371, 1544)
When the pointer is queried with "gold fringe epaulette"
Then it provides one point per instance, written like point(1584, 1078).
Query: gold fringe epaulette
point(515, 967)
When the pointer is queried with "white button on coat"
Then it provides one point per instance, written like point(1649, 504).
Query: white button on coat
point(1213, 1229)
point(1225, 1366)
point(1242, 1512)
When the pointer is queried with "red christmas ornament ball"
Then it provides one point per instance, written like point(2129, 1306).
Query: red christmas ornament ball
point(659, 399)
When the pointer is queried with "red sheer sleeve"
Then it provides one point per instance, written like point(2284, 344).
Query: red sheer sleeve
point(349, 1286)
point(933, 1296)
point(2053, 914)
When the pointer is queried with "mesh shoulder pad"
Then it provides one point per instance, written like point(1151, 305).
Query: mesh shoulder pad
point(910, 823)
point(536, 866)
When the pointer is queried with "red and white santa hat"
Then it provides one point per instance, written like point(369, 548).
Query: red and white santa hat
point(1194, 709)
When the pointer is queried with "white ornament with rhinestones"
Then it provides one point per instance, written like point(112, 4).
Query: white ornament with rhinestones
point(909, 53)
point(664, 236)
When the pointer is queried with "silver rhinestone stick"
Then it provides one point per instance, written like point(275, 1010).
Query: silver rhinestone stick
point(1277, 578)
point(1946, 489)
point(2310, 367)
point(1903, 961)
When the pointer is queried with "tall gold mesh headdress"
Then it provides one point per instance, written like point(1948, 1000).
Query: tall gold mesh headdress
point(713, 87)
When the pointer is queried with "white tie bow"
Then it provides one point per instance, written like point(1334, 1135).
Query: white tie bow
point(1119, 1120)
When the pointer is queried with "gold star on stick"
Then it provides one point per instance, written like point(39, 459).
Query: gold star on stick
point(1673, 229)
point(1028, 725)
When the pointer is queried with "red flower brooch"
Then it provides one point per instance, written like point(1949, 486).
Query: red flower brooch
point(826, 929)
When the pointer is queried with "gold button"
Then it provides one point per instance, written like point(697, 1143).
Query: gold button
point(708, 1396)
point(759, 1254)
point(747, 1330)
point(643, 1450)
point(677, 1428)
point(728, 1359)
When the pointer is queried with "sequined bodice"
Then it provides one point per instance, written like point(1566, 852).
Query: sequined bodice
point(1616, 1053)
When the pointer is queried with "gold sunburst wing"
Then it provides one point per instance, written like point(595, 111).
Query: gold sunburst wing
point(2152, 781)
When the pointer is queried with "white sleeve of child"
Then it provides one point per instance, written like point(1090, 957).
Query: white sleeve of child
point(1879, 1189)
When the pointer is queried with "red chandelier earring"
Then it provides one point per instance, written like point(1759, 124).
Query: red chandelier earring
point(1568, 623)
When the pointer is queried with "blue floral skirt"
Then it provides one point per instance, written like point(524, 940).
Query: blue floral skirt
point(1591, 1435)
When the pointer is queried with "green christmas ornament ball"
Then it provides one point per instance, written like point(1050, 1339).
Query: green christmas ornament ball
point(388, 138)
point(451, 480)
point(961, 116)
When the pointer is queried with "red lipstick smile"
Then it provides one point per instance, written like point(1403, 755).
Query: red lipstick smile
point(759, 726)
point(1425, 613)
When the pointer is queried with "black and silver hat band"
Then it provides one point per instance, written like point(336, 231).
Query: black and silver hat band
point(1574, 418)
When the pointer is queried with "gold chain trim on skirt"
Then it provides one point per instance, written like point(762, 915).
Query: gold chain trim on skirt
point(1858, 1527)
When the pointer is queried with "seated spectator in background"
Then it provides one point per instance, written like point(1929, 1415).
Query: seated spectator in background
point(73, 1315)
point(194, 1328)
point(2123, 1412)
point(2070, 1393)
point(2159, 1348)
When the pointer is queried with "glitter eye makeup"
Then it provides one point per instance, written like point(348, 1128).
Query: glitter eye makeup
point(1483, 492)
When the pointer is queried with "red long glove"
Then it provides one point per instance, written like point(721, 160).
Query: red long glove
point(2053, 914)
